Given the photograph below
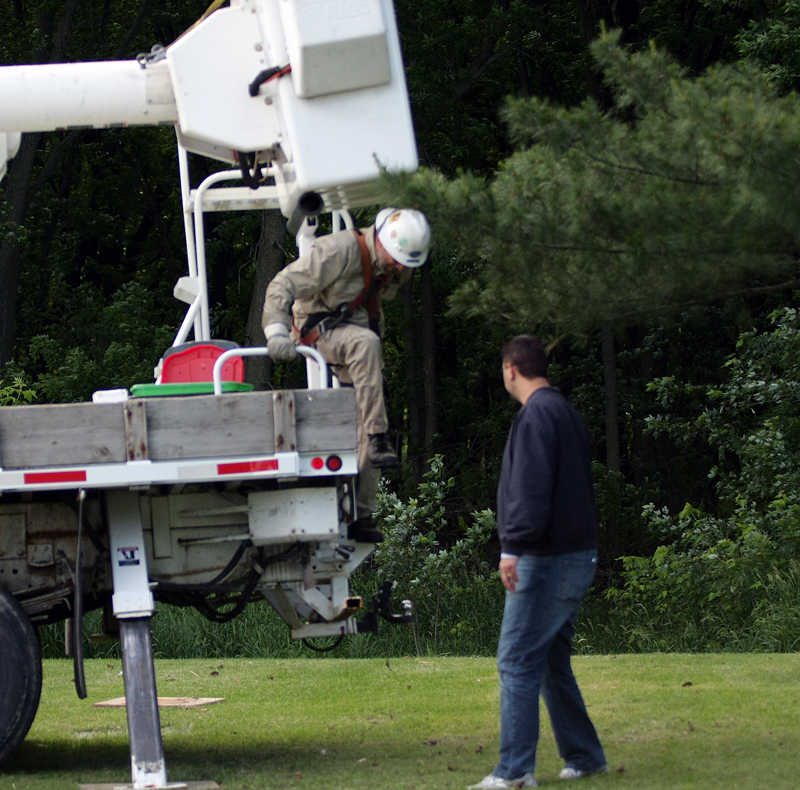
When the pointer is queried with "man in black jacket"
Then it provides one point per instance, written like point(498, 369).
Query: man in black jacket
point(547, 522)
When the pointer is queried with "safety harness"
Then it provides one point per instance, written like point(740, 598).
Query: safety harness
point(318, 324)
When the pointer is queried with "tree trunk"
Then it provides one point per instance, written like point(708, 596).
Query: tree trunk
point(590, 12)
point(18, 193)
point(270, 259)
point(610, 382)
point(412, 377)
point(134, 29)
point(622, 14)
point(611, 528)
point(429, 359)
point(18, 199)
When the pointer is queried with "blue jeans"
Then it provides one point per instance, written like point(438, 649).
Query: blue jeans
point(534, 655)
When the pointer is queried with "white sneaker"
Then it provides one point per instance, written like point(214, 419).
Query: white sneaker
point(577, 773)
point(492, 782)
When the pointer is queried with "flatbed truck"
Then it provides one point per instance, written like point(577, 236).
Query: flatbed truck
point(220, 497)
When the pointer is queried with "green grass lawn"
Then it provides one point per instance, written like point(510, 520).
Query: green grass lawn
point(666, 721)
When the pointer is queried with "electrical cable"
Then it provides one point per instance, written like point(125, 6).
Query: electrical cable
point(234, 561)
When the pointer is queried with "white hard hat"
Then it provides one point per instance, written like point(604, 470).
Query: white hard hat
point(405, 235)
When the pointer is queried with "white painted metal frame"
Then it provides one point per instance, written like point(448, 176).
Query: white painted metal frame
point(134, 605)
point(195, 470)
point(317, 630)
point(241, 198)
point(191, 254)
point(319, 382)
point(132, 595)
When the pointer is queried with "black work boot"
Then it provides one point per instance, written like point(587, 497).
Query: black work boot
point(364, 530)
point(380, 452)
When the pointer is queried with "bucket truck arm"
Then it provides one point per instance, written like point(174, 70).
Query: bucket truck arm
point(306, 97)
point(314, 89)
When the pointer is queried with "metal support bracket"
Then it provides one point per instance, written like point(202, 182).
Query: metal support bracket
point(132, 596)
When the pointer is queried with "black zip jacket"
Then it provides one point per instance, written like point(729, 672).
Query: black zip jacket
point(545, 500)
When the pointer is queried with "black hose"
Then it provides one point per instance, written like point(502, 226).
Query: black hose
point(265, 76)
point(77, 608)
point(336, 644)
point(233, 562)
point(250, 178)
point(209, 597)
point(213, 583)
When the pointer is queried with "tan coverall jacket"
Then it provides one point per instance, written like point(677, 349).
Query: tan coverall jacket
point(321, 281)
point(324, 278)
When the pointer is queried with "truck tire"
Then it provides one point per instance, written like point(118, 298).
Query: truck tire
point(20, 674)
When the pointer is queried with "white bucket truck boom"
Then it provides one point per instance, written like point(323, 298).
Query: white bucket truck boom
point(207, 500)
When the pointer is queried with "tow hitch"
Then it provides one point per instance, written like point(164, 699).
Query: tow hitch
point(382, 605)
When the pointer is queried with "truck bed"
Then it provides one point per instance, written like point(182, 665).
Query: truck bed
point(106, 445)
point(158, 446)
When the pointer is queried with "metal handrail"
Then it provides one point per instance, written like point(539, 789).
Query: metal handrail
point(260, 351)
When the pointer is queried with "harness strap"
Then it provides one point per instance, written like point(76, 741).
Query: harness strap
point(369, 292)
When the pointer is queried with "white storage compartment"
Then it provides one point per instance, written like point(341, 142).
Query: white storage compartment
point(338, 140)
point(341, 114)
point(335, 45)
point(302, 514)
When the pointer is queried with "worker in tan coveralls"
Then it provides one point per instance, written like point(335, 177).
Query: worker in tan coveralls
point(335, 294)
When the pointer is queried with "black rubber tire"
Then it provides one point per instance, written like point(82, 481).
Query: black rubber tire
point(20, 674)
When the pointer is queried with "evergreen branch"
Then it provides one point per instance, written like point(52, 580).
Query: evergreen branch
point(576, 248)
point(642, 171)
point(52, 162)
point(747, 291)
point(474, 73)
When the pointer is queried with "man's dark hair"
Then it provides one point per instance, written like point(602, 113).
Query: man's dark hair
point(527, 354)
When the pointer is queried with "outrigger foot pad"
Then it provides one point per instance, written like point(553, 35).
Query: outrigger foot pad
point(201, 785)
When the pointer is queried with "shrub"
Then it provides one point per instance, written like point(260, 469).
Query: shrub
point(16, 392)
point(456, 593)
point(728, 580)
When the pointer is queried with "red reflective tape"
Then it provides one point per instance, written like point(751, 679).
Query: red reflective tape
point(248, 466)
point(75, 476)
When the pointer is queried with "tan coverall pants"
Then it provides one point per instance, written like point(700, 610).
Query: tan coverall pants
point(355, 353)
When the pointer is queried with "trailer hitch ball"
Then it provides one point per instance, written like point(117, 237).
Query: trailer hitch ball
point(381, 606)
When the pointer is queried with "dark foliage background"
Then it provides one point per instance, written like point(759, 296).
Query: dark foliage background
point(91, 243)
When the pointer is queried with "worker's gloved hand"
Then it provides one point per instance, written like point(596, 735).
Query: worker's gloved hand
point(281, 347)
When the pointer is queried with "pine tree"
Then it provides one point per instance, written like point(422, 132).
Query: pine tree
point(686, 191)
